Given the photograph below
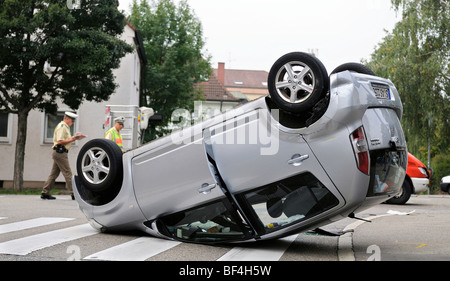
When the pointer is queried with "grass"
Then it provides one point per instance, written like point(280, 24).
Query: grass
point(31, 191)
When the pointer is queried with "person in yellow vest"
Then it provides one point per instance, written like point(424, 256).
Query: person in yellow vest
point(62, 141)
point(114, 133)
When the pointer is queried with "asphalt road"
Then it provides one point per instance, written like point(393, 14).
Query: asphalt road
point(32, 229)
point(416, 231)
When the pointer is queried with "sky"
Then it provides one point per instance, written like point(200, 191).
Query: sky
point(253, 34)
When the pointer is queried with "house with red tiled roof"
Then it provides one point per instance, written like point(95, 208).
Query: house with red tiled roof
point(227, 88)
point(216, 96)
point(249, 84)
point(217, 99)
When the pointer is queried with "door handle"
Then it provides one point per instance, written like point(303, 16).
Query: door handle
point(297, 159)
point(206, 188)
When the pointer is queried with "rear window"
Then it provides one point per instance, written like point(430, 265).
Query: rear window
point(387, 171)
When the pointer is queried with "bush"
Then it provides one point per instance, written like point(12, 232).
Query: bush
point(441, 168)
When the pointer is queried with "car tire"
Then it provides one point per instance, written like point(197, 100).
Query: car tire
point(301, 74)
point(353, 67)
point(404, 196)
point(99, 165)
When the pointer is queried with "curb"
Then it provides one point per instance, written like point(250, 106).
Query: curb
point(345, 241)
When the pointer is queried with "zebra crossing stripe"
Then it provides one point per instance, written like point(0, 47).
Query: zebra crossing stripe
point(271, 252)
point(139, 249)
point(22, 225)
point(26, 245)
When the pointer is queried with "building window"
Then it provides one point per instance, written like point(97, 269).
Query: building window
point(50, 123)
point(5, 127)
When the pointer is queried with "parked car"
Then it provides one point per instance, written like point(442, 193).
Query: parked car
point(416, 181)
point(317, 149)
point(445, 184)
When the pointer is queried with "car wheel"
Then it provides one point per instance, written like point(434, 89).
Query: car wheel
point(297, 82)
point(402, 197)
point(99, 165)
point(354, 67)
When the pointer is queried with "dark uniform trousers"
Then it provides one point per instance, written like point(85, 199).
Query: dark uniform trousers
point(60, 164)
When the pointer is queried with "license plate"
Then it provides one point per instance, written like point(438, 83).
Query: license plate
point(381, 91)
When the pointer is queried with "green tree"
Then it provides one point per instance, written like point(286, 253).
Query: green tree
point(173, 40)
point(52, 49)
point(416, 57)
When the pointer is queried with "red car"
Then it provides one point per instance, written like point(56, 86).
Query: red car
point(416, 181)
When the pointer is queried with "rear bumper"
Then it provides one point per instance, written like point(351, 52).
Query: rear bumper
point(115, 214)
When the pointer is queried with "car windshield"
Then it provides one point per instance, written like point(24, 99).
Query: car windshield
point(289, 201)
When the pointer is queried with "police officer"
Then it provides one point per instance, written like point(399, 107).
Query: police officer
point(62, 141)
point(114, 133)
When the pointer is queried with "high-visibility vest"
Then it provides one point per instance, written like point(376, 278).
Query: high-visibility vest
point(117, 138)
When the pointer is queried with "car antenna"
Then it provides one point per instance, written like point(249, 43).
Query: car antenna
point(352, 216)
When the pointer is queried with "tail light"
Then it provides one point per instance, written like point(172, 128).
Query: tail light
point(361, 150)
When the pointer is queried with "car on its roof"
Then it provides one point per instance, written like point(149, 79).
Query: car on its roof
point(317, 149)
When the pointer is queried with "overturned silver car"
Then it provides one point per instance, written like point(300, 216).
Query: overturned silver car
point(318, 149)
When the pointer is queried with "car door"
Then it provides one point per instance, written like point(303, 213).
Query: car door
point(250, 151)
point(271, 171)
point(173, 174)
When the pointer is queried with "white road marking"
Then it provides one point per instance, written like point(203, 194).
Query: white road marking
point(26, 245)
point(21, 225)
point(272, 252)
point(139, 249)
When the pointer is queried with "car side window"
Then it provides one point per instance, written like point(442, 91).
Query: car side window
point(289, 201)
point(208, 223)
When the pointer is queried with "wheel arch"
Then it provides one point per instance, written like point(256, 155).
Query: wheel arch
point(408, 179)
